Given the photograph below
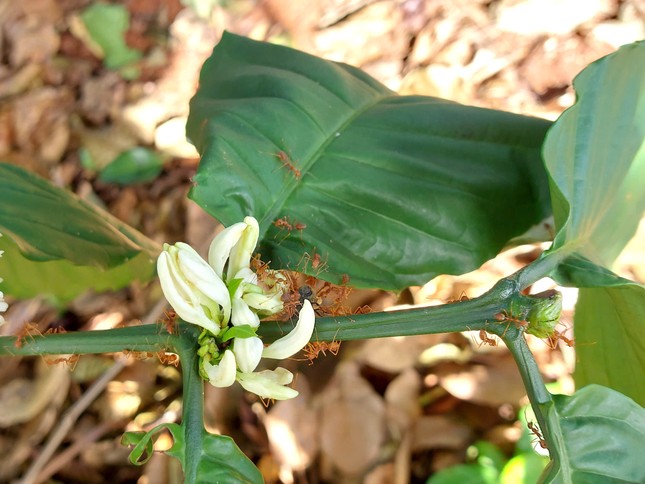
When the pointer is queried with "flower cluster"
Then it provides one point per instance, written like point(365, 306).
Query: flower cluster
point(3, 304)
point(224, 297)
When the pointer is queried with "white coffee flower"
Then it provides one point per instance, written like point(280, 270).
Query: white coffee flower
point(224, 297)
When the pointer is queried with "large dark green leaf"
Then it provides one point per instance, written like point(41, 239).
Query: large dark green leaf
point(58, 245)
point(393, 190)
point(595, 155)
point(598, 436)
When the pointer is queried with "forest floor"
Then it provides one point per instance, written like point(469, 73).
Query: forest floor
point(390, 410)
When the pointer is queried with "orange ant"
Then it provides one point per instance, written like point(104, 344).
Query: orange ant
point(169, 321)
point(137, 355)
point(168, 358)
point(259, 267)
point(313, 350)
point(483, 335)
point(520, 324)
point(283, 223)
point(326, 298)
point(462, 298)
point(536, 431)
point(29, 331)
point(552, 341)
point(71, 361)
point(317, 264)
point(287, 163)
point(365, 309)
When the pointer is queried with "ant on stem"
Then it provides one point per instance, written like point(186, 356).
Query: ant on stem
point(504, 316)
point(538, 435)
point(314, 349)
point(483, 335)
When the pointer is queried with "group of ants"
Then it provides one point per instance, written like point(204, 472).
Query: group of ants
point(327, 299)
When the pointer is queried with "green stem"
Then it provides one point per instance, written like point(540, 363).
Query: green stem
point(193, 400)
point(541, 267)
point(540, 398)
point(146, 338)
point(474, 314)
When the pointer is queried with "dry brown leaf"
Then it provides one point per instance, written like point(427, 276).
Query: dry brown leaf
point(493, 382)
point(402, 401)
point(556, 61)
point(22, 399)
point(440, 432)
point(396, 354)
point(293, 430)
point(41, 123)
point(352, 421)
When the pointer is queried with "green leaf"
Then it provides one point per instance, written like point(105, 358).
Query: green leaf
point(609, 327)
point(598, 436)
point(144, 444)
point(243, 331)
point(222, 461)
point(523, 469)
point(59, 245)
point(137, 165)
point(595, 155)
point(489, 455)
point(608, 323)
point(470, 473)
point(107, 25)
point(390, 190)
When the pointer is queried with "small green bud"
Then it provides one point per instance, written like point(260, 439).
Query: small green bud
point(544, 315)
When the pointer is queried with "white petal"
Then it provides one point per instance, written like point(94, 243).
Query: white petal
point(248, 352)
point(221, 246)
point(269, 384)
point(223, 374)
point(269, 303)
point(293, 342)
point(197, 271)
point(241, 314)
point(179, 294)
point(241, 254)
